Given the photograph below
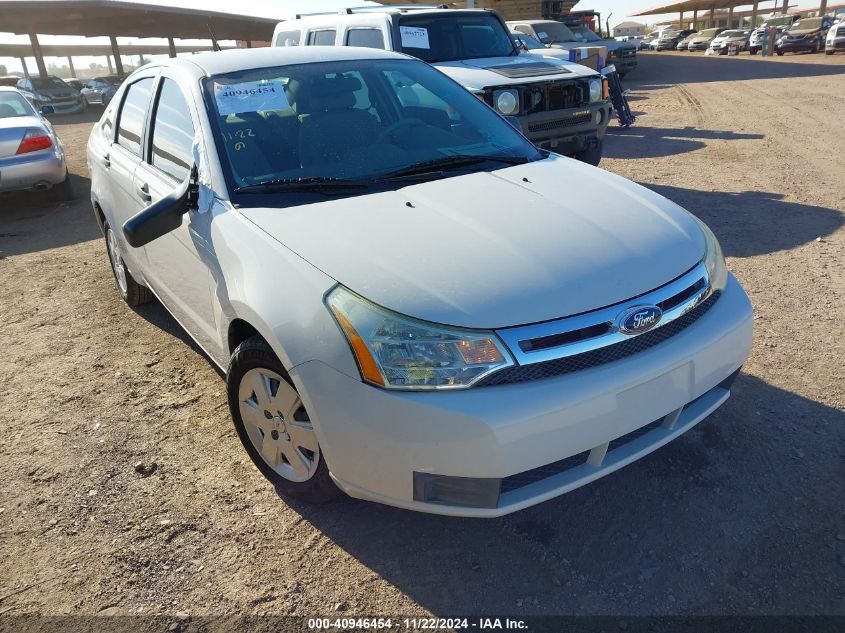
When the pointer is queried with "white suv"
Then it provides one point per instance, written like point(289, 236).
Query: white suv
point(561, 106)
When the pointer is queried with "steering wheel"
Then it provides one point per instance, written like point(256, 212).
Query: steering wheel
point(402, 123)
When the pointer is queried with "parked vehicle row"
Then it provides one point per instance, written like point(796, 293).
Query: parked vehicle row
point(793, 34)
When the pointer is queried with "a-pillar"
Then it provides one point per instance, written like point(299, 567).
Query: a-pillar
point(115, 49)
point(39, 57)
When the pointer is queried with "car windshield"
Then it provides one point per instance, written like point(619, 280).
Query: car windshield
point(48, 82)
point(708, 33)
point(583, 34)
point(732, 34)
point(452, 36)
point(530, 43)
point(553, 33)
point(352, 121)
point(806, 24)
point(12, 104)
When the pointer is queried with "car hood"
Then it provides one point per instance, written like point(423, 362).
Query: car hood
point(495, 71)
point(513, 246)
point(801, 32)
point(56, 93)
point(703, 38)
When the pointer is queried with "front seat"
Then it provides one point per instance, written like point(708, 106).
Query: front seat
point(332, 126)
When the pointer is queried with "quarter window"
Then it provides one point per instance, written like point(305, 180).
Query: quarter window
point(132, 115)
point(173, 132)
point(288, 38)
point(321, 38)
point(367, 38)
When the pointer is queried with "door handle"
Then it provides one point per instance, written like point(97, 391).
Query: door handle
point(144, 192)
point(105, 160)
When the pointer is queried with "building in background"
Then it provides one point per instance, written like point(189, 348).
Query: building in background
point(629, 29)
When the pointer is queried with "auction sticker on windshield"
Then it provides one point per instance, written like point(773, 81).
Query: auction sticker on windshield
point(251, 96)
point(414, 37)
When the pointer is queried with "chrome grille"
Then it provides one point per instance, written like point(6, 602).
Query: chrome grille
point(594, 338)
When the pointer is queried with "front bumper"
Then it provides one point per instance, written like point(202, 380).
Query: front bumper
point(28, 170)
point(703, 46)
point(624, 64)
point(567, 131)
point(375, 440)
point(63, 107)
point(836, 45)
point(795, 47)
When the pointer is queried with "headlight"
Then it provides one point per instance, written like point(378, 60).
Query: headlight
point(398, 352)
point(507, 101)
point(713, 258)
point(595, 90)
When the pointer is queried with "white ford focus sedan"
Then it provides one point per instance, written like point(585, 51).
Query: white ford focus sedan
point(412, 303)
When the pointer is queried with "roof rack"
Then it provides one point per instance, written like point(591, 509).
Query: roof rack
point(376, 9)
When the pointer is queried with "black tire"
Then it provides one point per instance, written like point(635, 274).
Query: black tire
point(780, 53)
point(135, 294)
point(753, 51)
point(591, 156)
point(255, 353)
point(63, 191)
point(828, 52)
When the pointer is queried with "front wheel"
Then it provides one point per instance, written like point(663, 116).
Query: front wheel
point(828, 52)
point(780, 53)
point(591, 156)
point(273, 425)
point(753, 51)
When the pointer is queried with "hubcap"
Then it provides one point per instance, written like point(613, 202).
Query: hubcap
point(116, 260)
point(277, 424)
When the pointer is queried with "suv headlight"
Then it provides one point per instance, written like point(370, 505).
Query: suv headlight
point(398, 352)
point(713, 258)
point(507, 102)
point(595, 90)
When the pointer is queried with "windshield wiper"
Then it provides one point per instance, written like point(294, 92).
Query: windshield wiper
point(303, 184)
point(437, 165)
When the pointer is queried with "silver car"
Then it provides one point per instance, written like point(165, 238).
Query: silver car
point(100, 90)
point(54, 92)
point(31, 154)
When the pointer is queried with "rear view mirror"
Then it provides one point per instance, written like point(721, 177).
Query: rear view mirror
point(161, 217)
point(48, 109)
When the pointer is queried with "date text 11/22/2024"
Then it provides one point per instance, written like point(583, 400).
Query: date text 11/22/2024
point(416, 624)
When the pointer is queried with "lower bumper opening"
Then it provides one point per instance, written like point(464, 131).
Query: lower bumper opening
point(491, 493)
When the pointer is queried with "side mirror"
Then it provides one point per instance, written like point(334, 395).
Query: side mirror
point(162, 217)
point(47, 109)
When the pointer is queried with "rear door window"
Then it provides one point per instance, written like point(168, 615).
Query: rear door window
point(130, 125)
point(173, 132)
point(321, 38)
point(367, 38)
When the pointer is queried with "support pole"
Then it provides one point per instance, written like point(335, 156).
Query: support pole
point(754, 15)
point(249, 43)
point(681, 21)
point(39, 57)
point(115, 49)
point(731, 18)
point(785, 6)
point(70, 65)
point(712, 17)
point(822, 7)
point(25, 69)
point(108, 61)
point(171, 47)
point(695, 20)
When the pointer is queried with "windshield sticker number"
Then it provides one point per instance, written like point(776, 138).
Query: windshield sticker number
point(413, 37)
point(542, 35)
point(252, 96)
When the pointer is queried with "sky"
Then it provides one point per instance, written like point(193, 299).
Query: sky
point(617, 10)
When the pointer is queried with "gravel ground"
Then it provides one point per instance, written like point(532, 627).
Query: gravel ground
point(743, 515)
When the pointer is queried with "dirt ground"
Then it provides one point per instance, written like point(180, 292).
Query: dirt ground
point(743, 515)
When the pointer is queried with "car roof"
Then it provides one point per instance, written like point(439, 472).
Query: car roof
point(233, 60)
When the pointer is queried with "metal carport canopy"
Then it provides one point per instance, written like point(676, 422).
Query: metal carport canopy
point(125, 19)
point(687, 6)
point(128, 19)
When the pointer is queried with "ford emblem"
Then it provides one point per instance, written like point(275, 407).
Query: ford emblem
point(639, 319)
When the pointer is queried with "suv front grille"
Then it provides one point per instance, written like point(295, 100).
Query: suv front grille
point(570, 121)
point(559, 95)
